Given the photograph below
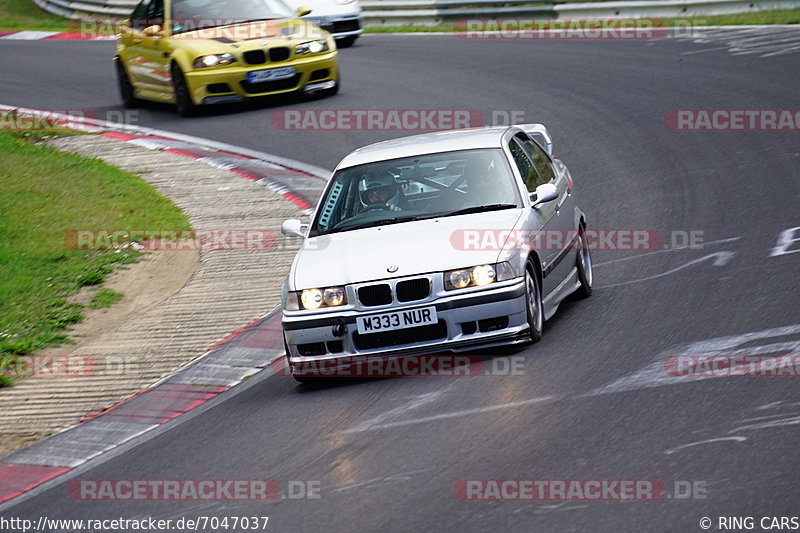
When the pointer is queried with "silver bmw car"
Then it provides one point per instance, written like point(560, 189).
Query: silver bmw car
point(446, 241)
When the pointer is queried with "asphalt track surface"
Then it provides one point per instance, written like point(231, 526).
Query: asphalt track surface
point(593, 400)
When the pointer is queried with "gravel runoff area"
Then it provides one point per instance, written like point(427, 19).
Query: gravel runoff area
point(228, 289)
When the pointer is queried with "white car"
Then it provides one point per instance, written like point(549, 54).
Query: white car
point(445, 241)
point(340, 18)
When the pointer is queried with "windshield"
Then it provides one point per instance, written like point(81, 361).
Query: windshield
point(415, 188)
point(190, 15)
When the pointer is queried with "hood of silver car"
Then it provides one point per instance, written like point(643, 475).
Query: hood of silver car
point(399, 250)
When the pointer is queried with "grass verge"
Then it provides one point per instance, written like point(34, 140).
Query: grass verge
point(104, 298)
point(47, 193)
point(25, 15)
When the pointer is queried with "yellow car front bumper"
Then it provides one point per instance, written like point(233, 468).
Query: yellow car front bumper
point(229, 83)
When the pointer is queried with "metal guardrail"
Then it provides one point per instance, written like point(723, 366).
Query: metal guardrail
point(433, 12)
point(668, 8)
point(99, 9)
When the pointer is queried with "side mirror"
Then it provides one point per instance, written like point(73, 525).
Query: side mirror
point(302, 11)
point(294, 227)
point(153, 31)
point(546, 192)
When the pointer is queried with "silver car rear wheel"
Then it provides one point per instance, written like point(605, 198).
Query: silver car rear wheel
point(533, 299)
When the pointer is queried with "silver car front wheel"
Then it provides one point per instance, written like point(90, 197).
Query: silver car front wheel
point(533, 299)
point(585, 271)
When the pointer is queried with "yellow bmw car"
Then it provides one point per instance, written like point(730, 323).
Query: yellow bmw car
point(201, 52)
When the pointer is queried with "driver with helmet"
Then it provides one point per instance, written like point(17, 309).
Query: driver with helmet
point(381, 192)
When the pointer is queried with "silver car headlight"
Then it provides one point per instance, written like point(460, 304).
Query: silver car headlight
point(477, 276)
point(312, 299)
point(311, 47)
point(214, 60)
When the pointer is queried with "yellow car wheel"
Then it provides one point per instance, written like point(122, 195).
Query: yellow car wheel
point(183, 100)
point(126, 91)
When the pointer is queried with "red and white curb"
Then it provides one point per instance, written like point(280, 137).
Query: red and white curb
point(245, 352)
point(272, 176)
point(298, 182)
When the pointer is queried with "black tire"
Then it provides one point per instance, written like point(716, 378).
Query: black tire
point(534, 306)
point(585, 269)
point(183, 102)
point(346, 42)
point(126, 91)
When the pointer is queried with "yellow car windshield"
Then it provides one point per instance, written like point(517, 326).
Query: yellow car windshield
point(191, 15)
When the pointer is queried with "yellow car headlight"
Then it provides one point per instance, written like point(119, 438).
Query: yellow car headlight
point(330, 297)
point(311, 47)
point(214, 60)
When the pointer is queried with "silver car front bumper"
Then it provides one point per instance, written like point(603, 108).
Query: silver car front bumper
point(340, 26)
point(477, 319)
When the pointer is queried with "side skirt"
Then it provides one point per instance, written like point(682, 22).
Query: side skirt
point(564, 289)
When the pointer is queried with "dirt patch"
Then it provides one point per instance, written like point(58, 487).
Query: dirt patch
point(156, 277)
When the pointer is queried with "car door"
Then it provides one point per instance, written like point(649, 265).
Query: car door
point(131, 38)
point(147, 66)
point(561, 228)
point(542, 217)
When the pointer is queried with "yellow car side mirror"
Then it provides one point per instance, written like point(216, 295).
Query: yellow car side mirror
point(302, 11)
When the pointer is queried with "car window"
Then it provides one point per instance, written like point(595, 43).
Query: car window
point(539, 157)
point(525, 165)
point(140, 18)
point(422, 186)
point(190, 15)
point(157, 12)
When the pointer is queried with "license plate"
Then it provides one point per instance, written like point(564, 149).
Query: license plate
point(412, 318)
point(272, 74)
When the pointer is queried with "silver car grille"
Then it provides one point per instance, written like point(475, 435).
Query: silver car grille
point(409, 290)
